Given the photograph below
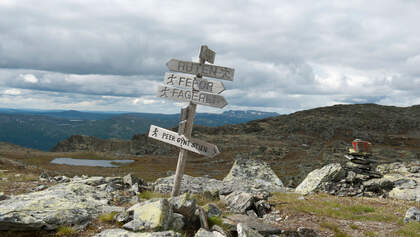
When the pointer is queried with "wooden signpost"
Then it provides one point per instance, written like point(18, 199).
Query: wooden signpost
point(179, 140)
point(192, 82)
point(194, 96)
point(195, 90)
point(206, 70)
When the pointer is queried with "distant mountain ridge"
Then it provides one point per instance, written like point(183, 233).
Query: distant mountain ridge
point(44, 129)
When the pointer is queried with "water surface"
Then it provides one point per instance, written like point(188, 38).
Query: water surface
point(87, 162)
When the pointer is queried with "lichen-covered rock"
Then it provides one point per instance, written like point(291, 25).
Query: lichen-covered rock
point(312, 182)
point(125, 233)
point(189, 184)
point(212, 210)
point(74, 204)
point(152, 215)
point(239, 202)
point(184, 205)
point(246, 175)
point(255, 173)
point(412, 214)
point(205, 233)
point(177, 222)
point(245, 231)
point(257, 224)
point(405, 194)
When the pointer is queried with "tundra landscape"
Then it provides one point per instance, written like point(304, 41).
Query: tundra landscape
point(160, 118)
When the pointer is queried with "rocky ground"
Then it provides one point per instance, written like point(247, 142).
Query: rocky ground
point(250, 201)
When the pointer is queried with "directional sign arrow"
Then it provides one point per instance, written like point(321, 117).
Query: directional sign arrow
point(192, 82)
point(173, 138)
point(206, 70)
point(197, 97)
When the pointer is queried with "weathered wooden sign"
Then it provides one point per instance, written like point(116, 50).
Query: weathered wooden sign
point(205, 70)
point(197, 97)
point(207, 54)
point(196, 90)
point(173, 138)
point(192, 82)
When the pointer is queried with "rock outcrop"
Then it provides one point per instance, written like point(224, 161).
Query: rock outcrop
point(246, 175)
point(74, 204)
point(399, 180)
point(313, 182)
point(126, 233)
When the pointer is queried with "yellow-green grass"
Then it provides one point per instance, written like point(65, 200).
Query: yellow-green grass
point(347, 208)
point(411, 229)
point(66, 231)
point(149, 195)
point(333, 227)
point(107, 217)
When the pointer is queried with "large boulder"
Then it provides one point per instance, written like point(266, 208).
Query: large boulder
point(184, 205)
point(189, 184)
point(315, 179)
point(254, 173)
point(125, 233)
point(246, 175)
point(73, 204)
point(152, 215)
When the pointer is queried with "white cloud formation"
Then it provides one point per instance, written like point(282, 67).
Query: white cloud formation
point(288, 55)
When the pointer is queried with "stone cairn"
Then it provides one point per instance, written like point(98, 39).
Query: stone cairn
point(359, 171)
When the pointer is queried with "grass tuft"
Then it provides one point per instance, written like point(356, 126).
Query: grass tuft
point(107, 217)
point(335, 228)
point(149, 195)
point(411, 229)
point(66, 231)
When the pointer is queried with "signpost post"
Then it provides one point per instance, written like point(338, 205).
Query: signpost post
point(195, 90)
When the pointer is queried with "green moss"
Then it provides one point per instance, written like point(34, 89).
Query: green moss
point(370, 234)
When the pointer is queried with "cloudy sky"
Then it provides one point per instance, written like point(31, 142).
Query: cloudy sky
point(110, 55)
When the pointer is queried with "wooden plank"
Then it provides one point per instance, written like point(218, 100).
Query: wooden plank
point(207, 54)
point(192, 144)
point(205, 70)
point(183, 154)
point(197, 97)
point(192, 82)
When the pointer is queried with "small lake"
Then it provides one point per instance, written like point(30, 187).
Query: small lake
point(86, 162)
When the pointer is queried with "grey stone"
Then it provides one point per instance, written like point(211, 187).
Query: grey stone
point(73, 204)
point(239, 202)
point(40, 187)
point(177, 222)
point(245, 231)
point(130, 180)
point(255, 173)
point(212, 210)
point(251, 213)
point(312, 182)
point(124, 217)
point(412, 214)
point(125, 233)
point(254, 223)
point(152, 215)
point(205, 233)
point(184, 205)
point(3, 197)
